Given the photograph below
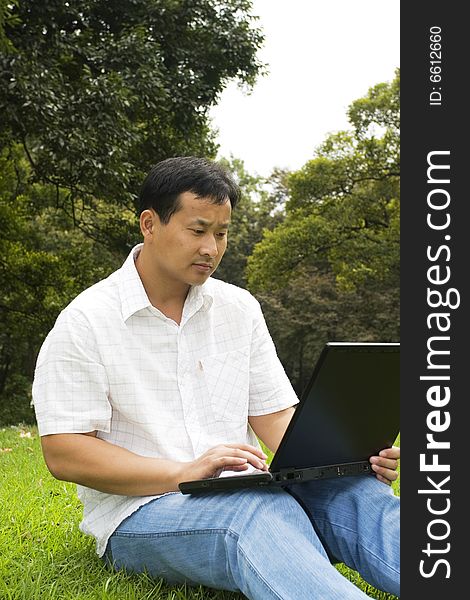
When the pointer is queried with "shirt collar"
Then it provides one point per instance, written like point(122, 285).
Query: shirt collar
point(131, 290)
point(134, 297)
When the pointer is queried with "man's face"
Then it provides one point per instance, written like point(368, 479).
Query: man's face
point(189, 248)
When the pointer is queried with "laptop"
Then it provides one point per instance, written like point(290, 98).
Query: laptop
point(348, 412)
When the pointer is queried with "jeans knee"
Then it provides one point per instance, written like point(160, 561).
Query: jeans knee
point(265, 503)
point(270, 512)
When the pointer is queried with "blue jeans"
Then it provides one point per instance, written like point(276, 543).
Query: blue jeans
point(268, 542)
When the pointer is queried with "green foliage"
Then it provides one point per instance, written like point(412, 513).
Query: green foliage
point(44, 262)
point(6, 18)
point(98, 91)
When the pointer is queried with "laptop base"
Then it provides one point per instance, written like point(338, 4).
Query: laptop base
point(221, 484)
point(281, 478)
point(285, 476)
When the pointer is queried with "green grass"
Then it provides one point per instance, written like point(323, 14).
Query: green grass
point(44, 556)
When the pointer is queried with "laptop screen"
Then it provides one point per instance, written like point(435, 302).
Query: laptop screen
point(349, 410)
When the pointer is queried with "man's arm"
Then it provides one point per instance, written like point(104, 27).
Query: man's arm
point(95, 463)
point(270, 429)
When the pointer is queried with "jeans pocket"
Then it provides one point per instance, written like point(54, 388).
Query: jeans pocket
point(227, 381)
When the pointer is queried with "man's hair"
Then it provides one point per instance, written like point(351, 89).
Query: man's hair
point(174, 176)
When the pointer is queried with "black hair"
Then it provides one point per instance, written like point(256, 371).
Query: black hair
point(174, 176)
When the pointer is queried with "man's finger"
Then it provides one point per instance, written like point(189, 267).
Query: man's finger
point(388, 463)
point(393, 452)
point(387, 473)
point(248, 448)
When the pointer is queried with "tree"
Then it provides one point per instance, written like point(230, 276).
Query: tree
point(92, 93)
point(256, 211)
point(354, 183)
point(343, 205)
point(44, 262)
point(96, 91)
point(339, 240)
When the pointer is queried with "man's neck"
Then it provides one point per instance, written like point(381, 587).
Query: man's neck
point(168, 297)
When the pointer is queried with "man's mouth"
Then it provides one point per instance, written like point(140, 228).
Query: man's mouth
point(205, 267)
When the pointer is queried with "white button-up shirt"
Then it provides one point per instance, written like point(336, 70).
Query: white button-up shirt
point(115, 364)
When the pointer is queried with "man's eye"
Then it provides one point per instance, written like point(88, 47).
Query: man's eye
point(222, 234)
point(198, 231)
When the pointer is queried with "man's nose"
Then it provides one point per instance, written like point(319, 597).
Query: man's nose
point(209, 247)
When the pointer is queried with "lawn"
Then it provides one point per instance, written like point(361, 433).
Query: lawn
point(44, 556)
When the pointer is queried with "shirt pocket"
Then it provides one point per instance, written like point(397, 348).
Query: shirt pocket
point(226, 378)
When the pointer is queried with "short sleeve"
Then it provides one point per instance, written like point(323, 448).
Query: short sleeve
point(270, 388)
point(70, 387)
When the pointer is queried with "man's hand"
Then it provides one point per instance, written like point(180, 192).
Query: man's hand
point(233, 457)
point(385, 464)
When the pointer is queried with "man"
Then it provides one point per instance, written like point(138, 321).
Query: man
point(160, 374)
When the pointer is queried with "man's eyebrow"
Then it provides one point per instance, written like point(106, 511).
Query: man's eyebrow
point(205, 223)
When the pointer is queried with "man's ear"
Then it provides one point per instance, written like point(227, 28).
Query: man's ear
point(148, 219)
